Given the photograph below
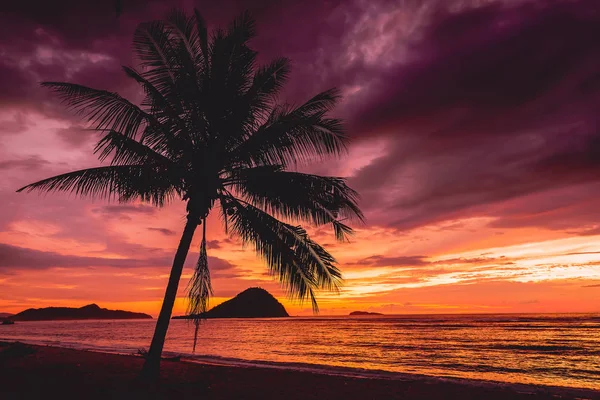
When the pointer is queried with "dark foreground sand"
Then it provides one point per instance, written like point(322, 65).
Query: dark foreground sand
point(28, 372)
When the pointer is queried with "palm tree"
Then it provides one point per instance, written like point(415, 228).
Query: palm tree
point(209, 132)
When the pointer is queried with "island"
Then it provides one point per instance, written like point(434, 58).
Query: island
point(91, 311)
point(251, 303)
point(364, 313)
point(4, 319)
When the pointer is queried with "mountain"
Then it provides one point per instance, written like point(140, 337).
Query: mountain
point(364, 313)
point(251, 303)
point(4, 315)
point(91, 311)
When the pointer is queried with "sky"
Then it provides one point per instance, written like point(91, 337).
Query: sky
point(476, 152)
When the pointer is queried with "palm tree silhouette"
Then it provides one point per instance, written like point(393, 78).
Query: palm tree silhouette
point(209, 132)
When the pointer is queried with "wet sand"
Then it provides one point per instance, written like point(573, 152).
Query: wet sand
point(28, 372)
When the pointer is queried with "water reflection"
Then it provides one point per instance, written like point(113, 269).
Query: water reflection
point(542, 349)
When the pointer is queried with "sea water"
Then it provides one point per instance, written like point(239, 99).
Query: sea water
point(558, 350)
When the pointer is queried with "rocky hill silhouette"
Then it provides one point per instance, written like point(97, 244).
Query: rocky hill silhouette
point(91, 311)
point(251, 303)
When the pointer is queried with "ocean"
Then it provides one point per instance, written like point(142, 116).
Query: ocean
point(556, 350)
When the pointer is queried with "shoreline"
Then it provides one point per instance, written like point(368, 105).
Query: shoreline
point(322, 369)
point(385, 384)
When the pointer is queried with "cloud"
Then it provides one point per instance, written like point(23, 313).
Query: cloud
point(215, 264)
point(76, 136)
point(458, 111)
point(15, 122)
point(16, 84)
point(82, 42)
point(382, 261)
point(482, 260)
point(213, 244)
point(86, 42)
point(493, 103)
point(164, 231)
point(124, 210)
point(529, 302)
point(16, 258)
point(12, 257)
point(483, 60)
point(27, 163)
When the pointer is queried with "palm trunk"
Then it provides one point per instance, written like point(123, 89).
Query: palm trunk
point(151, 367)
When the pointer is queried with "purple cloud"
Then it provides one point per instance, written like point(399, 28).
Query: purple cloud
point(14, 257)
point(494, 103)
point(28, 163)
point(124, 210)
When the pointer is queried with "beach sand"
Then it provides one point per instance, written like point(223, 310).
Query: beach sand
point(28, 371)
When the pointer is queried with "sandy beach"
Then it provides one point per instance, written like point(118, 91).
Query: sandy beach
point(28, 371)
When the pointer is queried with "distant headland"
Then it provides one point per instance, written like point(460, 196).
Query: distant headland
point(364, 313)
point(251, 303)
point(91, 311)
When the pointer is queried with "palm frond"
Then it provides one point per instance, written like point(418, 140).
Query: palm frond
point(184, 27)
point(299, 197)
point(255, 105)
point(163, 136)
point(121, 182)
point(154, 47)
point(156, 102)
point(295, 135)
point(202, 38)
point(127, 151)
point(232, 61)
point(243, 28)
point(301, 265)
point(104, 109)
point(248, 109)
point(322, 102)
point(189, 52)
point(269, 79)
point(228, 110)
point(199, 287)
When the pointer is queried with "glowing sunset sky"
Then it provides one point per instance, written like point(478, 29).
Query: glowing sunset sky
point(476, 151)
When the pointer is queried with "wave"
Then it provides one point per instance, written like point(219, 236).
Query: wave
point(541, 348)
point(541, 352)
